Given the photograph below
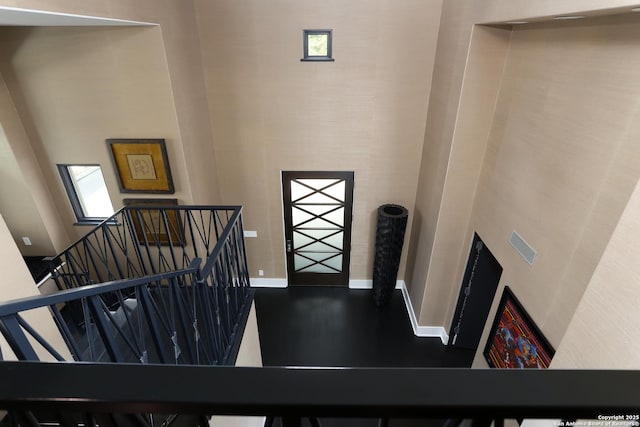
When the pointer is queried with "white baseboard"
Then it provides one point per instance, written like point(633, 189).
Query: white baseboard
point(261, 282)
point(368, 284)
point(421, 331)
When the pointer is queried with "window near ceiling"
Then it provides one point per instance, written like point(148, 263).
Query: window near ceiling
point(317, 45)
point(87, 192)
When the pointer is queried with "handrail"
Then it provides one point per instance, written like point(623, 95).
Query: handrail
point(107, 221)
point(342, 392)
point(139, 240)
point(30, 303)
point(111, 219)
point(218, 248)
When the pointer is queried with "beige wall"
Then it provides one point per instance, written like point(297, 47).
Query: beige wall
point(603, 333)
point(562, 159)
point(442, 199)
point(257, 102)
point(364, 112)
point(75, 87)
point(367, 113)
point(249, 355)
point(18, 207)
point(475, 113)
point(182, 49)
point(177, 43)
point(18, 283)
point(27, 204)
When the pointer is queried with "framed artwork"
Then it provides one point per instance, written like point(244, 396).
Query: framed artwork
point(515, 342)
point(142, 165)
point(155, 226)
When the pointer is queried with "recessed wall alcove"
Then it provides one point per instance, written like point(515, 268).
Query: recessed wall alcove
point(544, 143)
point(70, 88)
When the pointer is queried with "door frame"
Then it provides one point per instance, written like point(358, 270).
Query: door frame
point(323, 279)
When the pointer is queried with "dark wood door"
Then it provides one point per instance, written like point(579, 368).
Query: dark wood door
point(317, 218)
point(478, 289)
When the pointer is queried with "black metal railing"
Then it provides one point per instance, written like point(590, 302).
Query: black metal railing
point(482, 395)
point(194, 314)
point(139, 241)
point(174, 290)
point(169, 318)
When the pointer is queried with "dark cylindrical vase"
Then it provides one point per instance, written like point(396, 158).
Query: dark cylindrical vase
point(392, 223)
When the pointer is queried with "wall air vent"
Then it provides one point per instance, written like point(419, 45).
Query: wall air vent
point(523, 248)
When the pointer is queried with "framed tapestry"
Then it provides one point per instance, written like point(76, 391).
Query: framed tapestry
point(155, 226)
point(142, 165)
point(514, 340)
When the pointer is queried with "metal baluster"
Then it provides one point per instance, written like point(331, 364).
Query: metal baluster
point(232, 300)
point(172, 324)
point(26, 418)
point(215, 218)
point(146, 304)
point(226, 309)
point(141, 331)
point(163, 213)
point(89, 420)
point(145, 240)
point(127, 340)
point(188, 219)
point(221, 305)
point(66, 333)
point(196, 289)
point(108, 241)
point(162, 310)
point(131, 233)
point(17, 340)
point(183, 319)
point(88, 327)
point(218, 297)
point(39, 338)
point(127, 316)
point(73, 264)
point(103, 255)
point(209, 324)
point(97, 311)
point(89, 249)
point(154, 230)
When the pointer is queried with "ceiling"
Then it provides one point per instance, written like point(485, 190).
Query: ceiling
point(24, 17)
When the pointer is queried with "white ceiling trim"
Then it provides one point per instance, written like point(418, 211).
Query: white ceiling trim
point(34, 18)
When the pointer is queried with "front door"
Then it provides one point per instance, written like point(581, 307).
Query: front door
point(317, 219)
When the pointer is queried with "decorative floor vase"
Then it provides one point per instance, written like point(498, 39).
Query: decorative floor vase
point(392, 223)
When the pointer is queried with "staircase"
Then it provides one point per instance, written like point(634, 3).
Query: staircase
point(147, 286)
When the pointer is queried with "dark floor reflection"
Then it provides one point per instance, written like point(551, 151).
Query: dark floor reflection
point(330, 326)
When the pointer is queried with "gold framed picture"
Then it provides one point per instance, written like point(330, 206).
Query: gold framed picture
point(153, 225)
point(142, 165)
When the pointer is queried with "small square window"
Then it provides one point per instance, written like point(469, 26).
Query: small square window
point(87, 192)
point(317, 45)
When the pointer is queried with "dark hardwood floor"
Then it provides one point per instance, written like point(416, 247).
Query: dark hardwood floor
point(330, 326)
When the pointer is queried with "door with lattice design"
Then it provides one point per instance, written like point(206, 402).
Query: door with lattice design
point(317, 218)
